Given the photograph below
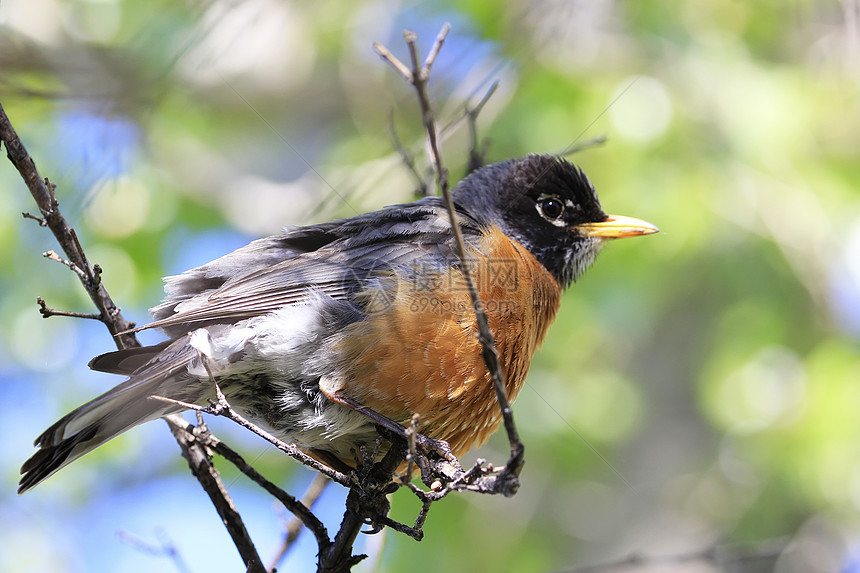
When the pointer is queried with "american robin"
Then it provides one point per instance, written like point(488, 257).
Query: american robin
point(310, 330)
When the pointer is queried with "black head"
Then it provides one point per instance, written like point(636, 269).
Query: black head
point(550, 207)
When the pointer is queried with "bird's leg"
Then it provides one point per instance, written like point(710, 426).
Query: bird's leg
point(423, 444)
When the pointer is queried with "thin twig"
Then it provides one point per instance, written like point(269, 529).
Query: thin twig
point(477, 149)
point(477, 156)
point(298, 508)
point(42, 191)
point(295, 526)
point(41, 220)
point(51, 255)
point(717, 555)
point(587, 144)
point(437, 47)
point(418, 77)
point(165, 548)
point(599, 115)
point(411, 433)
point(422, 189)
point(392, 59)
point(47, 312)
point(221, 407)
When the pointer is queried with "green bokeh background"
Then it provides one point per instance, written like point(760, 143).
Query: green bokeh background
point(699, 388)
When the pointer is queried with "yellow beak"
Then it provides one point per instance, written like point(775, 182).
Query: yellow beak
point(617, 227)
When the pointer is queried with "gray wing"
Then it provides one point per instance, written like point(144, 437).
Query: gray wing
point(334, 259)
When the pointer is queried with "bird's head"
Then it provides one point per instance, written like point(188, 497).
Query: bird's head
point(549, 206)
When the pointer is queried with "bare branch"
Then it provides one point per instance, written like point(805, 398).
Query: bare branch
point(719, 555)
point(294, 527)
point(202, 468)
point(366, 503)
point(298, 508)
point(49, 312)
point(587, 144)
point(477, 149)
point(42, 222)
point(478, 153)
point(437, 47)
point(42, 191)
point(421, 187)
point(221, 407)
point(507, 481)
point(401, 68)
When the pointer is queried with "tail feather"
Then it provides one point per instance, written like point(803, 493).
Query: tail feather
point(117, 410)
point(51, 458)
point(128, 360)
point(87, 428)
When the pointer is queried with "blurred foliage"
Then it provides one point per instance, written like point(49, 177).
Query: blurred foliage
point(714, 368)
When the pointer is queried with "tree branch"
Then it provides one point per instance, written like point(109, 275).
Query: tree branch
point(507, 481)
point(294, 527)
point(721, 556)
point(421, 187)
point(201, 466)
point(587, 144)
point(477, 151)
point(367, 503)
point(165, 548)
point(221, 407)
point(47, 312)
point(42, 191)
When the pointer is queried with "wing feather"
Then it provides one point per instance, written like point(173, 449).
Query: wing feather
point(335, 259)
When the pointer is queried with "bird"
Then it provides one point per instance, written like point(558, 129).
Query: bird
point(320, 331)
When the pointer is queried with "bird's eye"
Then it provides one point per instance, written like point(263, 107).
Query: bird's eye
point(550, 207)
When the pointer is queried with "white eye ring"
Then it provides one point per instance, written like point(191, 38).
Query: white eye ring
point(551, 208)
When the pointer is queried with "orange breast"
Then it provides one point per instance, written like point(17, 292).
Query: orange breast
point(418, 351)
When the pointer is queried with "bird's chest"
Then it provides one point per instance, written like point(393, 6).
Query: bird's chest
point(418, 351)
